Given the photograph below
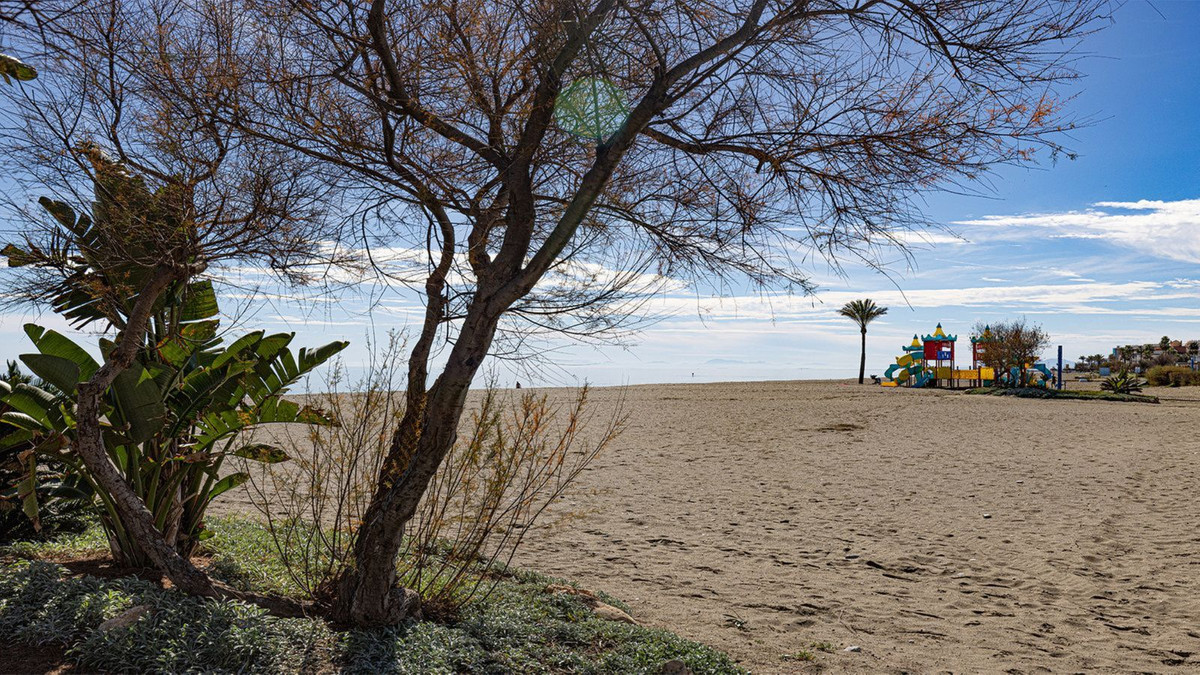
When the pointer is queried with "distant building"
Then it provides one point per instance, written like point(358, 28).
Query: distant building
point(1180, 349)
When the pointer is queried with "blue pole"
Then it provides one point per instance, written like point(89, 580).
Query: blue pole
point(1060, 380)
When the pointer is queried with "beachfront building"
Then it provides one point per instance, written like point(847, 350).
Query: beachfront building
point(1163, 352)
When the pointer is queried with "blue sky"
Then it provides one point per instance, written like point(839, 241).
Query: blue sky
point(1100, 250)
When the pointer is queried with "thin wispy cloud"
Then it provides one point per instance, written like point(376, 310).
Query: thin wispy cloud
point(1166, 229)
point(1113, 273)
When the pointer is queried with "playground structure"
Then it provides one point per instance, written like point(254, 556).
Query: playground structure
point(929, 362)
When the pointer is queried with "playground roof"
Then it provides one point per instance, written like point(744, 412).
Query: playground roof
point(986, 337)
point(940, 335)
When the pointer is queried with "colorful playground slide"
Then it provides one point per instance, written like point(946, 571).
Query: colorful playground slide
point(1047, 376)
point(904, 368)
point(930, 360)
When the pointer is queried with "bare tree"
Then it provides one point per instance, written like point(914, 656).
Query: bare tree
point(1016, 344)
point(757, 133)
point(509, 143)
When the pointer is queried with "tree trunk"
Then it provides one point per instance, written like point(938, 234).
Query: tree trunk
point(89, 443)
point(862, 362)
point(366, 593)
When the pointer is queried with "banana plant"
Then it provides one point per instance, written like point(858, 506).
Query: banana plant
point(187, 402)
point(36, 496)
point(171, 420)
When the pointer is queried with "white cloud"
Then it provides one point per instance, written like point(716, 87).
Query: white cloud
point(1078, 295)
point(927, 238)
point(1166, 229)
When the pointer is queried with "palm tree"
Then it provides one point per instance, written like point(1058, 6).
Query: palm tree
point(862, 312)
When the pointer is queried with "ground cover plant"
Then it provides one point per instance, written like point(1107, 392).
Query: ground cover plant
point(519, 627)
point(1083, 395)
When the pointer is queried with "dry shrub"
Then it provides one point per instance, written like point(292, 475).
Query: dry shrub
point(518, 454)
point(314, 503)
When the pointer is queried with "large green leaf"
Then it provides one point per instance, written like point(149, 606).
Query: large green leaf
point(228, 483)
point(283, 370)
point(22, 421)
point(200, 302)
point(62, 212)
point(15, 437)
point(32, 401)
point(235, 349)
point(270, 345)
point(56, 344)
point(12, 68)
point(19, 257)
point(139, 403)
point(204, 391)
point(311, 358)
point(213, 427)
point(283, 411)
point(192, 338)
point(80, 307)
point(27, 488)
point(80, 491)
point(163, 374)
point(61, 372)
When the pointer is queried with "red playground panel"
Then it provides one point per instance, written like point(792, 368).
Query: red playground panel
point(939, 350)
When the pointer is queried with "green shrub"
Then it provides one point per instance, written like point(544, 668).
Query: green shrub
point(1173, 376)
point(1123, 382)
point(39, 496)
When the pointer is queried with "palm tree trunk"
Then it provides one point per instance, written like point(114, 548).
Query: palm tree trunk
point(862, 363)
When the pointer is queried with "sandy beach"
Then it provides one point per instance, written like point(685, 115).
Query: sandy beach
point(932, 529)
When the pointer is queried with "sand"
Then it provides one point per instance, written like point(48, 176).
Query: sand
point(932, 529)
point(935, 530)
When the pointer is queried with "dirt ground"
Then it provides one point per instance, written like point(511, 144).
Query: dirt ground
point(934, 530)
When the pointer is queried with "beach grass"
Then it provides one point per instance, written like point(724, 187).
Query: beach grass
point(519, 627)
